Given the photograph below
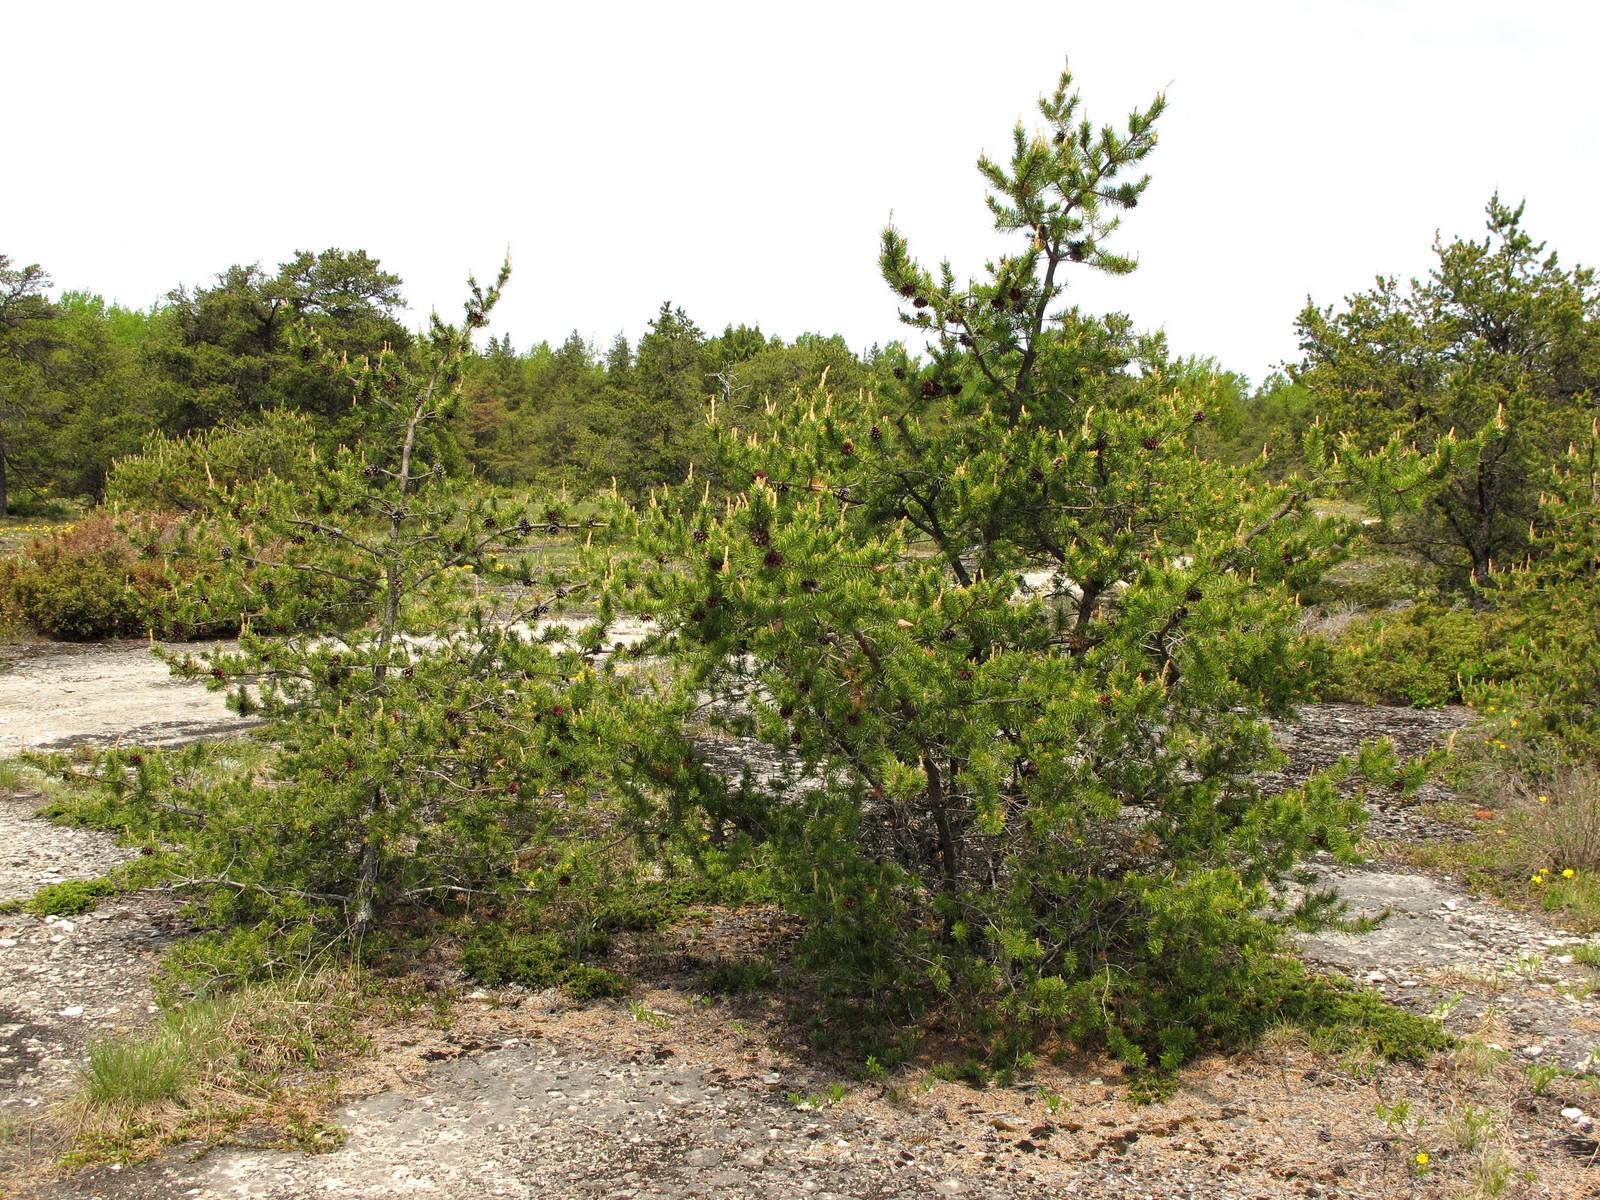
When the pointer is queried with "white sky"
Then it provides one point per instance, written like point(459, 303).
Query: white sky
point(740, 159)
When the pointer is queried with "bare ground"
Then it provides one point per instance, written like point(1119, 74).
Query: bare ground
point(516, 1094)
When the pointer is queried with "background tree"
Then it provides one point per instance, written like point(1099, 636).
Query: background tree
point(655, 426)
point(234, 356)
point(25, 338)
point(1501, 345)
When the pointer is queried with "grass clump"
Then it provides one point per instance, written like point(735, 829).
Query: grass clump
point(732, 976)
point(213, 1065)
point(69, 898)
point(129, 1073)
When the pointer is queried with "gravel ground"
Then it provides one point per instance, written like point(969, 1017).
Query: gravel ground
point(526, 1095)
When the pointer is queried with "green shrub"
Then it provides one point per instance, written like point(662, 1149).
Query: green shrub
point(496, 956)
point(1421, 656)
point(69, 899)
point(178, 474)
point(84, 581)
point(1037, 816)
point(594, 983)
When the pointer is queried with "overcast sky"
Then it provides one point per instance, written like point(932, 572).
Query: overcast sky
point(741, 159)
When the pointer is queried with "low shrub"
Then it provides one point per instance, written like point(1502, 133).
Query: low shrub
point(1421, 656)
point(69, 899)
point(114, 575)
point(84, 581)
point(495, 955)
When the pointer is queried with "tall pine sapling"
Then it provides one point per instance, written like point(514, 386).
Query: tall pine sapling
point(1040, 802)
point(436, 739)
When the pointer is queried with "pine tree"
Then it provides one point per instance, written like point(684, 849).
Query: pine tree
point(1495, 356)
point(433, 737)
point(1042, 802)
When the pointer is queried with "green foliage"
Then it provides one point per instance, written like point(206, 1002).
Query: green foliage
point(1039, 813)
point(70, 898)
point(87, 581)
point(496, 955)
point(1426, 656)
point(1493, 361)
point(1551, 621)
point(179, 474)
point(437, 749)
point(234, 351)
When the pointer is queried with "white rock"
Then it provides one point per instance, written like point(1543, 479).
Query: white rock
point(1533, 1051)
point(1572, 1114)
point(74, 1010)
point(7, 943)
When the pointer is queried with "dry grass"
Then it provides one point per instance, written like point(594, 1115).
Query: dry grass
point(258, 1057)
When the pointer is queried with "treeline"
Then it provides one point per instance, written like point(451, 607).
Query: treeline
point(84, 382)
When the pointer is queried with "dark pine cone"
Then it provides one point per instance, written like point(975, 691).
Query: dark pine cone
point(760, 537)
point(1151, 442)
point(699, 535)
point(810, 587)
point(774, 558)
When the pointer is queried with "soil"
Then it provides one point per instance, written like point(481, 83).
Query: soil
point(672, 1093)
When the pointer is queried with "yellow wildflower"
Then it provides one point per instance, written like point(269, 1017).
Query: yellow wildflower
point(1422, 1158)
point(1568, 873)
